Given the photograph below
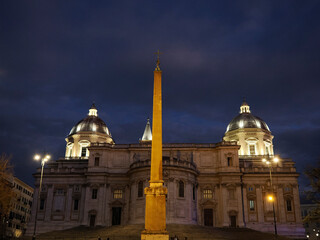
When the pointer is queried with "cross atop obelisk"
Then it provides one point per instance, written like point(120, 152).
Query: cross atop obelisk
point(158, 60)
point(155, 215)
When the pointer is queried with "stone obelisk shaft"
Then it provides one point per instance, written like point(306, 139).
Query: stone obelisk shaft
point(156, 150)
point(155, 215)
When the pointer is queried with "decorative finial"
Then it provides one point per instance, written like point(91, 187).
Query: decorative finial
point(158, 60)
point(93, 106)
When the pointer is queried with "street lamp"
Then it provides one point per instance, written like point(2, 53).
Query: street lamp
point(271, 197)
point(43, 159)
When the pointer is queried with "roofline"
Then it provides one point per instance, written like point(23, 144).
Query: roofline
point(15, 178)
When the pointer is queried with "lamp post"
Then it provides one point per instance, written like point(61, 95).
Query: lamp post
point(271, 198)
point(43, 159)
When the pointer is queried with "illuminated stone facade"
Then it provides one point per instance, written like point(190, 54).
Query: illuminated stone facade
point(214, 184)
point(20, 211)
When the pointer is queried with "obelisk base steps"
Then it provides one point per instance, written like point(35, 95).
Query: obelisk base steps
point(146, 235)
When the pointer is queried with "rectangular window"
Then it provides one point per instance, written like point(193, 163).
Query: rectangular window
point(117, 194)
point(252, 149)
point(96, 161)
point(251, 205)
point(83, 152)
point(181, 189)
point(60, 191)
point(76, 205)
point(207, 194)
point(94, 193)
point(77, 188)
point(267, 150)
point(229, 161)
point(287, 189)
point(140, 189)
point(289, 207)
point(194, 193)
point(41, 207)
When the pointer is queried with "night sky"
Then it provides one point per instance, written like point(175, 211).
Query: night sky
point(57, 57)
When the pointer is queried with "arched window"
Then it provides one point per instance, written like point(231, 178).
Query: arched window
point(181, 188)
point(140, 189)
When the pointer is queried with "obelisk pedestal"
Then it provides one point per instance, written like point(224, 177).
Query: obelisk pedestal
point(155, 215)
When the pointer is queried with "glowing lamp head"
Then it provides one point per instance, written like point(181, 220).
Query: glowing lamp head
point(37, 157)
point(267, 162)
point(276, 160)
point(270, 198)
point(264, 160)
point(47, 157)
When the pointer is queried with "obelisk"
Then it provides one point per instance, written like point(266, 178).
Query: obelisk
point(155, 214)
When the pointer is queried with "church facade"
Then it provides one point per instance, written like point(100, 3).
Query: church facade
point(224, 184)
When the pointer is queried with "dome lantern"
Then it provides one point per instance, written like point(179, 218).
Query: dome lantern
point(93, 111)
point(244, 108)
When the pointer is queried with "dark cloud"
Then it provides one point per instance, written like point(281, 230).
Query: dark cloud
point(57, 57)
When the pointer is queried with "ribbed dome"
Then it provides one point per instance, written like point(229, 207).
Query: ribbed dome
point(246, 120)
point(92, 123)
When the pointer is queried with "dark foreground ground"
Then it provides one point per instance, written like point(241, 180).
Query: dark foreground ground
point(132, 232)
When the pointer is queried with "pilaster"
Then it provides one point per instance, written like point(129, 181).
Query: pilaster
point(260, 205)
point(68, 207)
point(281, 204)
point(49, 202)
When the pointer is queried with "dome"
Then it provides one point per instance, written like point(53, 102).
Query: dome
point(92, 123)
point(246, 120)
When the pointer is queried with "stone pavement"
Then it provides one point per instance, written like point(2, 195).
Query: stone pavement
point(132, 232)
